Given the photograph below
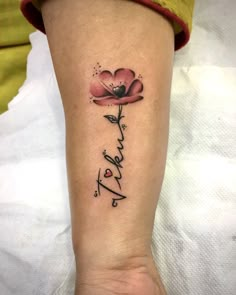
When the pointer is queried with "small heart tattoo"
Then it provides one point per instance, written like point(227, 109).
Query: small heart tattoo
point(119, 91)
point(108, 173)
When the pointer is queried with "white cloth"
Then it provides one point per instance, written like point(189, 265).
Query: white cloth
point(194, 240)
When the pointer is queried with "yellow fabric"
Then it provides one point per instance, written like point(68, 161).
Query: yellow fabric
point(14, 48)
point(182, 8)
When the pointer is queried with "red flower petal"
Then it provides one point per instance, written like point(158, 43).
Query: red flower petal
point(97, 89)
point(135, 88)
point(107, 80)
point(105, 75)
point(104, 97)
point(110, 100)
point(125, 76)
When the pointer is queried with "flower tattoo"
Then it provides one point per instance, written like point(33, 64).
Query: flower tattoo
point(107, 89)
point(119, 88)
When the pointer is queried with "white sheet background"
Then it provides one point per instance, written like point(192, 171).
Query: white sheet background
point(194, 236)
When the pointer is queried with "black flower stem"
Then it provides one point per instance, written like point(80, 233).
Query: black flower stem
point(120, 112)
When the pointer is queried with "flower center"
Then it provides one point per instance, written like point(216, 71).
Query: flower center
point(119, 91)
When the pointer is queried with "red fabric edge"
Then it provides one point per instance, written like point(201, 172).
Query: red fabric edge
point(32, 15)
point(181, 39)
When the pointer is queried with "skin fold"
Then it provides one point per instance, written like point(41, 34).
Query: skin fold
point(112, 244)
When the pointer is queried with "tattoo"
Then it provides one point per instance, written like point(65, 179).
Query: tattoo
point(107, 89)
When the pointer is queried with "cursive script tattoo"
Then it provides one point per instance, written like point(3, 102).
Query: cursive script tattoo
point(120, 88)
point(116, 163)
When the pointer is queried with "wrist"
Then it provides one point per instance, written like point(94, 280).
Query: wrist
point(132, 276)
point(108, 250)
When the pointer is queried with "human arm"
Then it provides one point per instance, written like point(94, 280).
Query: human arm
point(112, 244)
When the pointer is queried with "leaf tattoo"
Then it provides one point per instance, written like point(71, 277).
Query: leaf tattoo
point(111, 118)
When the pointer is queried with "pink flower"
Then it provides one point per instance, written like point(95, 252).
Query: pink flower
point(118, 89)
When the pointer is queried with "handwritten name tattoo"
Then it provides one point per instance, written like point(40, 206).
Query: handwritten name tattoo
point(116, 163)
point(108, 89)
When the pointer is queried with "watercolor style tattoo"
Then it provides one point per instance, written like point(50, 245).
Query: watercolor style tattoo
point(109, 89)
